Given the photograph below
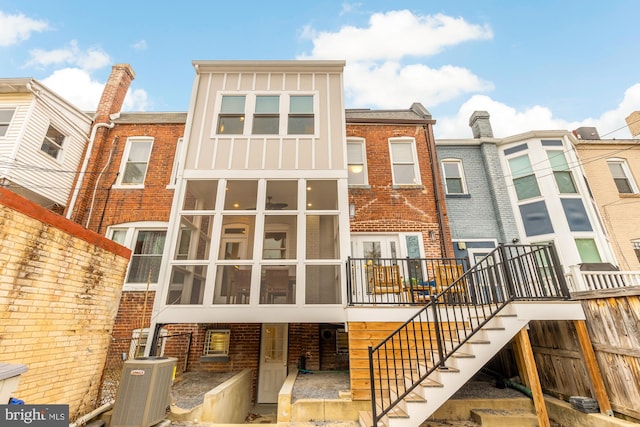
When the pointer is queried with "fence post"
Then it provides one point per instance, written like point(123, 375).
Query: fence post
point(348, 271)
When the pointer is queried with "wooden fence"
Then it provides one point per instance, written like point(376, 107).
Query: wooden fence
point(613, 322)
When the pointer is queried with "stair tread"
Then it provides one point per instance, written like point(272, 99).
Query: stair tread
point(463, 355)
point(366, 419)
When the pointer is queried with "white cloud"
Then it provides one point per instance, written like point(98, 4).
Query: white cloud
point(76, 86)
point(375, 75)
point(394, 35)
point(391, 85)
point(16, 28)
point(507, 121)
point(136, 100)
point(139, 45)
point(91, 59)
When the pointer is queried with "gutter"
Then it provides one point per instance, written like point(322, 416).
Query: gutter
point(83, 170)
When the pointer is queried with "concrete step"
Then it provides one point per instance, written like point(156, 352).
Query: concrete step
point(504, 418)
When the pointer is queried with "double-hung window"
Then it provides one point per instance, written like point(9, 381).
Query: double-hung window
point(301, 116)
point(266, 119)
point(524, 180)
point(147, 246)
point(404, 166)
point(622, 176)
point(52, 143)
point(5, 120)
point(356, 160)
point(135, 161)
point(561, 172)
point(231, 117)
point(453, 176)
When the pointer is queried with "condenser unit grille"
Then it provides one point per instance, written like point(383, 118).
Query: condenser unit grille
point(144, 392)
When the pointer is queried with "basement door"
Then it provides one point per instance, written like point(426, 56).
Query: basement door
point(273, 361)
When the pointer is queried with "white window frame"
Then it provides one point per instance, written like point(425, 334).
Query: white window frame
point(4, 126)
point(143, 336)
point(514, 175)
point(47, 140)
point(627, 172)
point(560, 152)
point(207, 340)
point(283, 114)
point(365, 175)
point(414, 162)
point(176, 164)
point(131, 234)
point(125, 160)
point(463, 182)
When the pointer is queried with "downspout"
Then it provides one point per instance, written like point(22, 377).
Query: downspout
point(83, 170)
point(436, 193)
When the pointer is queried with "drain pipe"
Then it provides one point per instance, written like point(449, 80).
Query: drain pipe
point(83, 170)
point(507, 382)
point(88, 417)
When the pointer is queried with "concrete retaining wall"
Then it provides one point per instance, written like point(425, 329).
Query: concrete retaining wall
point(230, 402)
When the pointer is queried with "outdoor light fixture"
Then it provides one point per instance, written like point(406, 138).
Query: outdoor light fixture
point(352, 210)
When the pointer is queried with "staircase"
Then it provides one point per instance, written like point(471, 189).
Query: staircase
point(425, 361)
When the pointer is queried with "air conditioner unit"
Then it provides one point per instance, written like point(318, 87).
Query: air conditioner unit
point(144, 392)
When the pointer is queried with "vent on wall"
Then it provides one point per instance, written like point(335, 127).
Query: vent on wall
point(144, 392)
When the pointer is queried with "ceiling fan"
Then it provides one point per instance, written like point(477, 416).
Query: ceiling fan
point(274, 206)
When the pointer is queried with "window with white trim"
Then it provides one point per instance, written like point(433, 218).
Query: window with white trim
point(622, 176)
point(216, 342)
point(147, 246)
point(135, 162)
point(524, 179)
point(561, 172)
point(301, 117)
point(232, 115)
point(268, 114)
point(266, 119)
point(139, 339)
point(176, 164)
point(356, 161)
point(6, 114)
point(404, 166)
point(588, 250)
point(53, 141)
point(454, 182)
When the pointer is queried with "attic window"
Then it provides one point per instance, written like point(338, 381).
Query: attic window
point(53, 140)
point(5, 120)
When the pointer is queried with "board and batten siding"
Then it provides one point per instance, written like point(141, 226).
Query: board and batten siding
point(52, 178)
point(322, 151)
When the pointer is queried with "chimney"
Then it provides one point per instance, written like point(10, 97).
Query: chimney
point(114, 92)
point(480, 125)
point(587, 133)
point(633, 122)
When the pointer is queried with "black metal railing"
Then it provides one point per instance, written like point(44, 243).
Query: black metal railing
point(454, 312)
point(395, 281)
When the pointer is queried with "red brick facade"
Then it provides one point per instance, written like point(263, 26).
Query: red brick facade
point(383, 208)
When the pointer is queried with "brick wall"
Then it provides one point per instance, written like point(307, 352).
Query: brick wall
point(59, 291)
point(383, 208)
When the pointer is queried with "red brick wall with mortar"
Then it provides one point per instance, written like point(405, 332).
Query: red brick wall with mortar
point(382, 208)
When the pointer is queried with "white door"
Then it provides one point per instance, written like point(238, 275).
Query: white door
point(375, 246)
point(273, 361)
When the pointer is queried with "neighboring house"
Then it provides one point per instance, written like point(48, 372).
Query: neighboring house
point(612, 167)
point(538, 176)
point(478, 203)
point(42, 141)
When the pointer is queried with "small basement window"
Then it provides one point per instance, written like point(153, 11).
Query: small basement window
point(216, 345)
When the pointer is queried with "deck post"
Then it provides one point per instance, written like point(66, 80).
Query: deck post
point(593, 369)
point(531, 372)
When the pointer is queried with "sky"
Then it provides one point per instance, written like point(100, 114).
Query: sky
point(533, 65)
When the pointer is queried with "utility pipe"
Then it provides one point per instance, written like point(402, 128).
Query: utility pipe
point(88, 417)
point(83, 170)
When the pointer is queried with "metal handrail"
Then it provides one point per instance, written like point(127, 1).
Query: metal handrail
point(413, 351)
